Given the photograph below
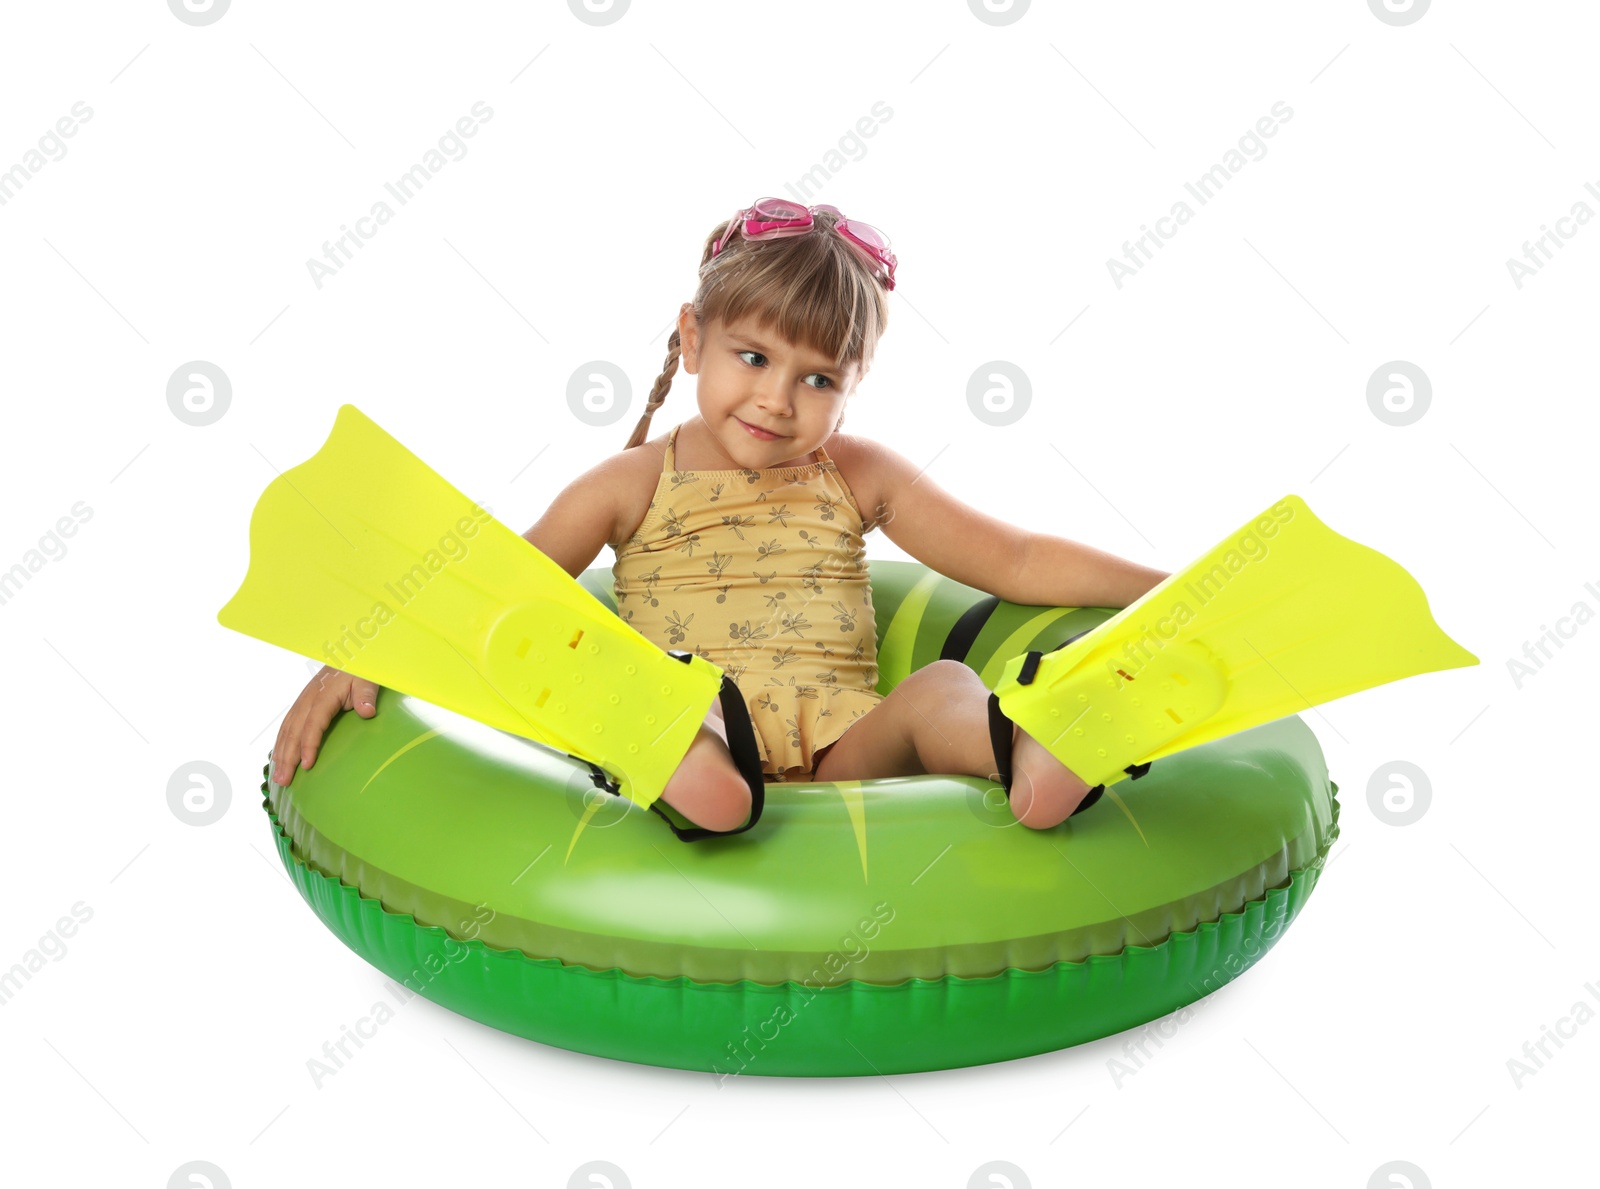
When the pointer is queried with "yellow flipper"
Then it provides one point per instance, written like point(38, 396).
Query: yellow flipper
point(366, 559)
point(1283, 614)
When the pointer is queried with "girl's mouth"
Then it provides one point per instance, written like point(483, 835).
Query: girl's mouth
point(761, 434)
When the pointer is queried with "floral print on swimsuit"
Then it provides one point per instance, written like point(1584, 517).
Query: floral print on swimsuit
point(764, 574)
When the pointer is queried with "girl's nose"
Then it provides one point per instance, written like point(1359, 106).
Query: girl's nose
point(772, 399)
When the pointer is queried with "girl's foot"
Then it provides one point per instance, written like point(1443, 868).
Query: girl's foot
point(1044, 791)
point(707, 787)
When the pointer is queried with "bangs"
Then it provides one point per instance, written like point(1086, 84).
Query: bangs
point(811, 289)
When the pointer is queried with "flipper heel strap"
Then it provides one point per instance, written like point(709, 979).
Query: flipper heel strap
point(746, 757)
point(1001, 734)
point(1079, 713)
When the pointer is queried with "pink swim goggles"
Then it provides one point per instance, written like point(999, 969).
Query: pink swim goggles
point(773, 218)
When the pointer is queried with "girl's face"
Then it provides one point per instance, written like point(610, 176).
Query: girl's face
point(751, 376)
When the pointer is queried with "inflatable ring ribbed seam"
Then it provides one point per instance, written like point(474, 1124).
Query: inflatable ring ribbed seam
point(846, 1028)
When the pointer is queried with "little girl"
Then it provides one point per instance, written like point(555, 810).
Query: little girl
point(739, 537)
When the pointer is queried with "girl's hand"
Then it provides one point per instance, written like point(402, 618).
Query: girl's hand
point(325, 695)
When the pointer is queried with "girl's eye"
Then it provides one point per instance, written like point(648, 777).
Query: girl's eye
point(827, 383)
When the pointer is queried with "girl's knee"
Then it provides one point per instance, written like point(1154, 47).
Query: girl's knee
point(948, 674)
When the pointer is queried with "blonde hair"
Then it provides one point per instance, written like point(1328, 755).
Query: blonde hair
point(814, 288)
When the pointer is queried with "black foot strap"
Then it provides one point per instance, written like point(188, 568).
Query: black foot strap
point(1000, 734)
point(746, 757)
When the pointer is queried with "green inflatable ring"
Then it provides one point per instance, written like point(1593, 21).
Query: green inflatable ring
point(883, 926)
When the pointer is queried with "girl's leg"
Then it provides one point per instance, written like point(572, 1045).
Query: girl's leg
point(937, 720)
point(707, 787)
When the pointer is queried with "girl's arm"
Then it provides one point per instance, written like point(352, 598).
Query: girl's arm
point(1057, 572)
point(978, 550)
point(585, 516)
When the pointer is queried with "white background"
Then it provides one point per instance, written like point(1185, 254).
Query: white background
point(1230, 370)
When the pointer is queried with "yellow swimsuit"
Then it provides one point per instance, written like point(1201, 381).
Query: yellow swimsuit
point(763, 573)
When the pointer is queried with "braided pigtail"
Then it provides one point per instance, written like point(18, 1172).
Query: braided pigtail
point(658, 391)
